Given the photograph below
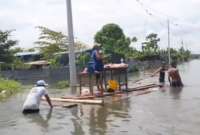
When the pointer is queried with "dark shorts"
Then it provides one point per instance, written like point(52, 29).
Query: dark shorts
point(27, 111)
point(176, 84)
point(99, 75)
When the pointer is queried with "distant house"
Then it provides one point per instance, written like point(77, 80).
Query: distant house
point(38, 64)
point(29, 56)
point(64, 56)
point(35, 58)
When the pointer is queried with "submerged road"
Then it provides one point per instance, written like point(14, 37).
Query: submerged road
point(164, 112)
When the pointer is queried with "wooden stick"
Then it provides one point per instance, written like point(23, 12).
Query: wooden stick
point(66, 105)
point(86, 101)
point(142, 88)
point(78, 97)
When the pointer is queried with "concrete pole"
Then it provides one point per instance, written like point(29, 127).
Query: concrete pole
point(72, 64)
point(169, 54)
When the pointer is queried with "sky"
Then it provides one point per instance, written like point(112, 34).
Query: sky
point(136, 17)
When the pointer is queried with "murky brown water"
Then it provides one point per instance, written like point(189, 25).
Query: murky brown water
point(164, 112)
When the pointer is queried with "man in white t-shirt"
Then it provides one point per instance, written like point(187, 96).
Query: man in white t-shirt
point(32, 102)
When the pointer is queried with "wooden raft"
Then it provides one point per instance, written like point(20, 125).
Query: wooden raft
point(84, 101)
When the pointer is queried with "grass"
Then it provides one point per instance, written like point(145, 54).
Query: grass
point(8, 87)
point(62, 84)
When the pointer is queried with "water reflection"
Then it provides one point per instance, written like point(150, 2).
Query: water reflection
point(167, 112)
point(77, 122)
point(175, 92)
point(99, 120)
point(39, 119)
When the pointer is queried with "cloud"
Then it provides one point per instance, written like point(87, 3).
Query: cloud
point(136, 17)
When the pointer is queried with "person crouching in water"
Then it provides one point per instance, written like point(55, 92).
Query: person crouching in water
point(32, 102)
point(174, 76)
point(161, 72)
point(97, 58)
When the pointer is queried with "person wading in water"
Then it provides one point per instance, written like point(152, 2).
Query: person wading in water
point(32, 102)
point(174, 76)
point(161, 72)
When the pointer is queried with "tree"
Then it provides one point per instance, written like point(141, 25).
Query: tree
point(150, 47)
point(31, 50)
point(151, 43)
point(6, 55)
point(134, 39)
point(51, 42)
point(113, 40)
point(17, 50)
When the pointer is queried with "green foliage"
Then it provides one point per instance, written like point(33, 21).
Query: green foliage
point(54, 62)
point(31, 50)
point(18, 64)
point(134, 69)
point(51, 42)
point(83, 59)
point(150, 47)
point(115, 44)
point(180, 55)
point(6, 55)
point(113, 40)
point(62, 84)
point(8, 87)
point(17, 50)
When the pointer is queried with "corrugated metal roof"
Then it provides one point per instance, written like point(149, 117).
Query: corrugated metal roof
point(27, 53)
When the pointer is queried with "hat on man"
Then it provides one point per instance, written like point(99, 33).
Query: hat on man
point(41, 83)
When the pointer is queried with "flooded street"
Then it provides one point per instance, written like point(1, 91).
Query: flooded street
point(164, 112)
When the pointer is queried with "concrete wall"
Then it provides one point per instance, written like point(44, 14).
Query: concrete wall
point(30, 76)
point(54, 75)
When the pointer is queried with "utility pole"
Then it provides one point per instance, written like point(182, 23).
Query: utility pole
point(169, 54)
point(72, 65)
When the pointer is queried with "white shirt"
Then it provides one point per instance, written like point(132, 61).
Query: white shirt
point(34, 97)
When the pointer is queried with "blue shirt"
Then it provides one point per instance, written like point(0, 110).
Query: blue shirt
point(98, 63)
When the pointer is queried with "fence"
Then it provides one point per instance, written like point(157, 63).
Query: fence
point(54, 75)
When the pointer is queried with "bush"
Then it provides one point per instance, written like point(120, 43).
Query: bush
point(133, 69)
point(8, 87)
point(62, 84)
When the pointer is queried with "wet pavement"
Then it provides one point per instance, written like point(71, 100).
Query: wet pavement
point(164, 112)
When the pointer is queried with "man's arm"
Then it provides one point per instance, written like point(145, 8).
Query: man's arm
point(98, 55)
point(169, 78)
point(179, 77)
point(154, 73)
point(48, 100)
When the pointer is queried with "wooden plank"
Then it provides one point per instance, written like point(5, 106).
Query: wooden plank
point(78, 97)
point(61, 104)
point(85, 101)
point(142, 87)
point(69, 105)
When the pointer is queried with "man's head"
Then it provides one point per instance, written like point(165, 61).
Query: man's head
point(173, 64)
point(163, 64)
point(96, 46)
point(41, 83)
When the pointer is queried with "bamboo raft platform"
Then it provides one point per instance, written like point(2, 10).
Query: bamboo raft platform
point(95, 99)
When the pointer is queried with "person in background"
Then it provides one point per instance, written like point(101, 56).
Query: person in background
point(97, 58)
point(174, 76)
point(161, 72)
point(32, 102)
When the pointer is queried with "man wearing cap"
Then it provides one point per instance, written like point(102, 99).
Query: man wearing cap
point(32, 102)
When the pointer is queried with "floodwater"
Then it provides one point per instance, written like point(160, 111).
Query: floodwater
point(163, 112)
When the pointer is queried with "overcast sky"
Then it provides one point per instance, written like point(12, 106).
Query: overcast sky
point(136, 17)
